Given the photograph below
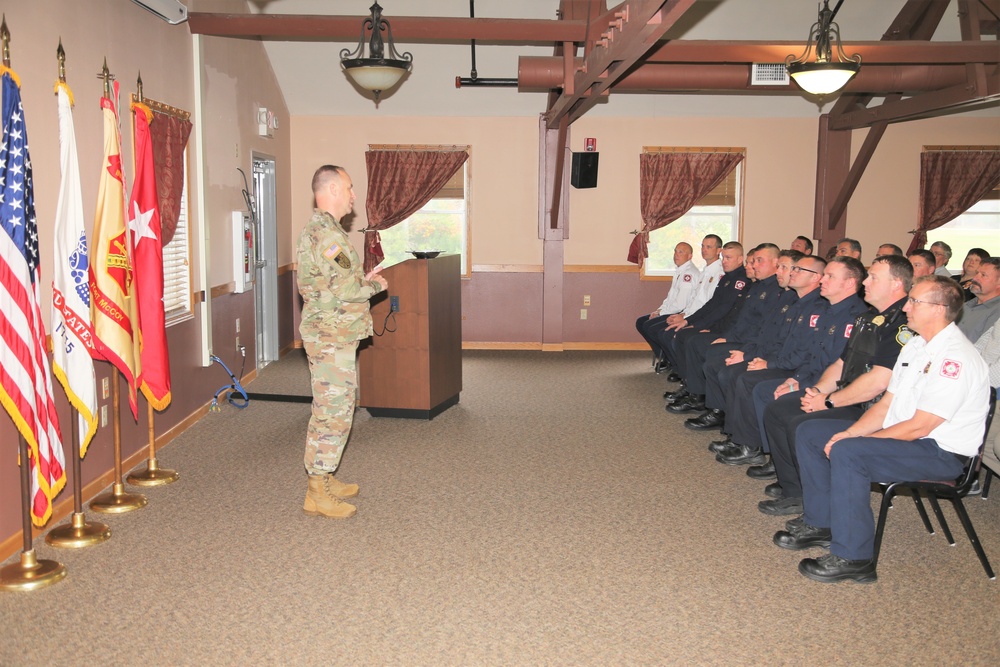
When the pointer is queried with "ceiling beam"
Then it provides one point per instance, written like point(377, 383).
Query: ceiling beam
point(405, 29)
point(638, 25)
point(910, 52)
point(945, 100)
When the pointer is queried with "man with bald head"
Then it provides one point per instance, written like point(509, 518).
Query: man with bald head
point(681, 294)
point(335, 316)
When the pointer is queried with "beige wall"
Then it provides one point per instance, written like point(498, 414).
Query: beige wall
point(780, 175)
point(504, 164)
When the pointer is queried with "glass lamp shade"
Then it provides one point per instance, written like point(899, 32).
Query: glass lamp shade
point(376, 74)
point(822, 78)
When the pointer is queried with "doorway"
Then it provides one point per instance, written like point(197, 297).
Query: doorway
point(266, 292)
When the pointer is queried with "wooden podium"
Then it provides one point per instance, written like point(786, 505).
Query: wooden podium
point(416, 370)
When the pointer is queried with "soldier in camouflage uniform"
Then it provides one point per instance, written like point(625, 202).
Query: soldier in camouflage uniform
point(335, 317)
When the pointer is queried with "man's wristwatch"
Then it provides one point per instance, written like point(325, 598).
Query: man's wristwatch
point(828, 403)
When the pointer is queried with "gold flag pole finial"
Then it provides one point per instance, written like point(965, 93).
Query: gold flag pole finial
point(108, 78)
point(61, 57)
point(5, 38)
point(138, 85)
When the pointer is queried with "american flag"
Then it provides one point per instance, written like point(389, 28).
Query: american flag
point(25, 383)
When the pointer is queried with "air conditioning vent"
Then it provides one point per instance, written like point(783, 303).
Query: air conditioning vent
point(768, 74)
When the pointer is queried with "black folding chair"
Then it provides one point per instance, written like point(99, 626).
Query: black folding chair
point(951, 490)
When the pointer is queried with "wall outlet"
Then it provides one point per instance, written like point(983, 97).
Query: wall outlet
point(104, 415)
point(583, 313)
point(394, 304)
point(237, 325)
point(237, 343)
point(586, 299)
point(104, 388)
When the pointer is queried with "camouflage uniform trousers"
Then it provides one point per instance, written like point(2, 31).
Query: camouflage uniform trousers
point(333, 367)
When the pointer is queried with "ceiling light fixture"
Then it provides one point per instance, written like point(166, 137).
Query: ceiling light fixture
point(824, 75)
point(375, 73)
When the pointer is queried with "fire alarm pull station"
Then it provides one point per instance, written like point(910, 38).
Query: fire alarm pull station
point(244, 259)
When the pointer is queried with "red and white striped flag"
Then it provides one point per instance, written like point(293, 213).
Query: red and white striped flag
point(72, 335)
point(25, 383)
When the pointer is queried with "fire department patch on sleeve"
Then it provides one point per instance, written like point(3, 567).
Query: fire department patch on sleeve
point(740, 284)
point(813, 319)
point(847, 330)
point(951, 369)
point(687, 277)
point(337, 254)
point(904, 335)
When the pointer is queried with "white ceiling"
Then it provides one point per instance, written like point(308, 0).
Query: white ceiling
point(311, 79)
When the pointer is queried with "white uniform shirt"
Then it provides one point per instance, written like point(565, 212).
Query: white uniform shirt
point(706, 287)
point(945, 377)
point(682, 289)
point(942, 271)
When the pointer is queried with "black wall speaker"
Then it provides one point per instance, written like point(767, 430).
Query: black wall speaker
point(584, 170)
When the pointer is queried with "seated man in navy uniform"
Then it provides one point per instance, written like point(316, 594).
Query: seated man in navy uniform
point(847, 387)
point(928, 425)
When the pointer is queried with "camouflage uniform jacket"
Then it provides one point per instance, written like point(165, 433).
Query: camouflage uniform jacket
point(334, 291)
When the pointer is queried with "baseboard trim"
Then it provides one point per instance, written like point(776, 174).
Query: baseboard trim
point(64, 508)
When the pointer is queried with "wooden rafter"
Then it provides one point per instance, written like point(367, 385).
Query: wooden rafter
point(637, 26)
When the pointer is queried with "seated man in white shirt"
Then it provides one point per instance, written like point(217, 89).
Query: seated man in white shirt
point(928, 425)
point(686, 291)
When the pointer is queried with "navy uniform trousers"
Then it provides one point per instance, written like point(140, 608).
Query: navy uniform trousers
point(837, 491)
point(781, 418)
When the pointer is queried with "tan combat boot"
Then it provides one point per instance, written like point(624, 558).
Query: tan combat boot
point(340, 489)
point(321, 500)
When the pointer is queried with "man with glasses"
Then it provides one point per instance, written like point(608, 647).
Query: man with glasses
point(928, 424)
point(847, 387)
point(942, 255)
point(802, 365)
point(792, 340)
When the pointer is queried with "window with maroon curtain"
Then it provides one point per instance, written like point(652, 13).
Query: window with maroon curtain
point(400, 183)
point(951, 181)
point(671, 184)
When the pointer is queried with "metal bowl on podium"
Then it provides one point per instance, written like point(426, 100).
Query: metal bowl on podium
point(425, 254)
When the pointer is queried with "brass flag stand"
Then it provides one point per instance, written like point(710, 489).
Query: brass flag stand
point(117, 501)
point(153, 475)
point(31, 573)
point(79, 532)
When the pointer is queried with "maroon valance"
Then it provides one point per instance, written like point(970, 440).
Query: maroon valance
point(170, 136)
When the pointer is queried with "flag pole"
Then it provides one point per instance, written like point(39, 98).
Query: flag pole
point(79, 532)
point(117, 501)
point(30, 573)
point(153, 475)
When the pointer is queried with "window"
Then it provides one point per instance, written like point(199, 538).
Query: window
point(442, 224)
point(177, 266)
point(979, 227)
point(719, 212)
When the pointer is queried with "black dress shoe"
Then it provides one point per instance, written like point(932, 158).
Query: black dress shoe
point(744, 456)
point(803, 536)
point(710, 419)
point(765, 471)
point(674, 396)
point(718, 446)
point(774, 490)
point(794, 524)
point(830, 568)
point(781, 506)
point(690, 403)
point(673, 377)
